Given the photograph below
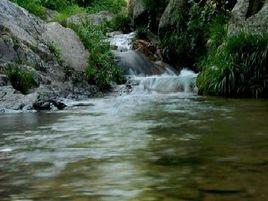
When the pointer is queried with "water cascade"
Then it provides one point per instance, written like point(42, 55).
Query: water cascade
point(145, 75)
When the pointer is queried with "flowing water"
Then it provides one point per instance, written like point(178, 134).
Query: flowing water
point(160, 141)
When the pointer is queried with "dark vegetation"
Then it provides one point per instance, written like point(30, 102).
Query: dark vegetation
point(21, 79)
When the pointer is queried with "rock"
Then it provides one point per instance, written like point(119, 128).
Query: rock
point(133, 62)
point(51, 15)
point(138, 12)
point(72, 50)
point(11, 99)
point(4, 81)
point(149, 49)
point(85, 18)
point(41, 105)
point(101, 17)
point(174, 8)
point(21, 42)
point(250, 16)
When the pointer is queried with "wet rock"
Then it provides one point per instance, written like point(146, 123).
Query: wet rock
point(72, 50)
point(249, 15)
point(135, 63)
point(150, 50)
point(12, 99)
point(41, 105)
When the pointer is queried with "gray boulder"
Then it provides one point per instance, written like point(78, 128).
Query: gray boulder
point(72, 50)
point(250, 16)
point(51, 15)
point(85, 18)
point(11, 99)
point(174, 8)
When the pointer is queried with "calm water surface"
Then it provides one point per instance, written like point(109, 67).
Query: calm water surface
point(150, 147)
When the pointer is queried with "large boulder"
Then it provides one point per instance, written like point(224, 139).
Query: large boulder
point(138, 12)
point(85, 18)
point(174, 8)
point(72, 50)
point(250, 16)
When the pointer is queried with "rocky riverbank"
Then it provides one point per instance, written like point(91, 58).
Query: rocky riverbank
point(40, 63)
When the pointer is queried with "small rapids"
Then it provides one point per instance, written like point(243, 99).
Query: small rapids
point(145, 76)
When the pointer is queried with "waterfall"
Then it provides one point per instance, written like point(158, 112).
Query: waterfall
point(145, 76)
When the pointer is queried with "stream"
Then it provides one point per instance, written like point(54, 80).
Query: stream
point(159, 141)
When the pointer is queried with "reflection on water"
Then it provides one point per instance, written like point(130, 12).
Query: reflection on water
point(150, 147)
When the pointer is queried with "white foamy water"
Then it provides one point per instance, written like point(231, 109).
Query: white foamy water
point(123, 42)
point(166, 83)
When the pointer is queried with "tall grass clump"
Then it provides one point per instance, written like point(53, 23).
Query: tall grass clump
point(102, 69)
point(237, 68)
point(20, 79)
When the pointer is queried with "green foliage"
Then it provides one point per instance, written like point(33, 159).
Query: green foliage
point(20, 79)
point(113, 6)
point(33, 6)
point(102, 69)
point(68, 11)
point(238, 68)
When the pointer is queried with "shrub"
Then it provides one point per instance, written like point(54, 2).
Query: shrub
point(238, 68)
point(101, 70)
point(20, 79)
